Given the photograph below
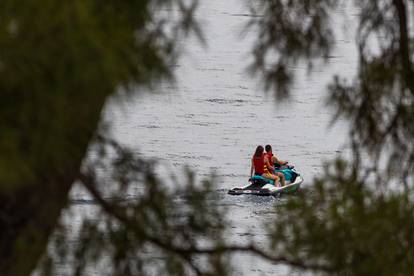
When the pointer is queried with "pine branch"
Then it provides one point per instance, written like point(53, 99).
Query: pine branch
point(187, 252)
point(404, 43)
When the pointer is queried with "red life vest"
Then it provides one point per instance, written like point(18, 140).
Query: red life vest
point(269, 157)
point(259, 165)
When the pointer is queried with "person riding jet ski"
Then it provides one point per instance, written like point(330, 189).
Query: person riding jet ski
point(261, 166)
point(275, 162)
point(263, 182)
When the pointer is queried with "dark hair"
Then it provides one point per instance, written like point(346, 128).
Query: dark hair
point(259, 151)
point(268, 148)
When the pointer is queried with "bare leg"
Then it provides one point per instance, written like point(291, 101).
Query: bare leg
point(276, 178)
point(273, 177)
point(282, 178)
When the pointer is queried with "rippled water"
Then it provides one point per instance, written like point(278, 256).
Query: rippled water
point(215, 115)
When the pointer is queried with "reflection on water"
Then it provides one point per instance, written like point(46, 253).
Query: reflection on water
point(215, 116)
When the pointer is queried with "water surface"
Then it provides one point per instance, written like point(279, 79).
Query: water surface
point(215, 115)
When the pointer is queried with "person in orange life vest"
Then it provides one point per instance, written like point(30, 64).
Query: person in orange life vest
point(274, 160)
point(260, 165)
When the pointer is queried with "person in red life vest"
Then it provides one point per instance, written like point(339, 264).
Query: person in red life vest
point(274, 160)
point(260, 165)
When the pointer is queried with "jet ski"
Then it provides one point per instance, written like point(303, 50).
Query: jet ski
point(265, 187)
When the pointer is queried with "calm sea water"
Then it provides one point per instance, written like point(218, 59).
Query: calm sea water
point(215, 115)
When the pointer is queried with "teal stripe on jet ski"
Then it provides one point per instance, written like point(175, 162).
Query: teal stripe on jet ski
point(258, 177)
point(289, 175)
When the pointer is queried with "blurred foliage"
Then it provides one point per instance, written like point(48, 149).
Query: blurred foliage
point(287, 32)
point(358, 219)
point(61, 60)
point(379, 101)
point(348, 227)
point(160, 230)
